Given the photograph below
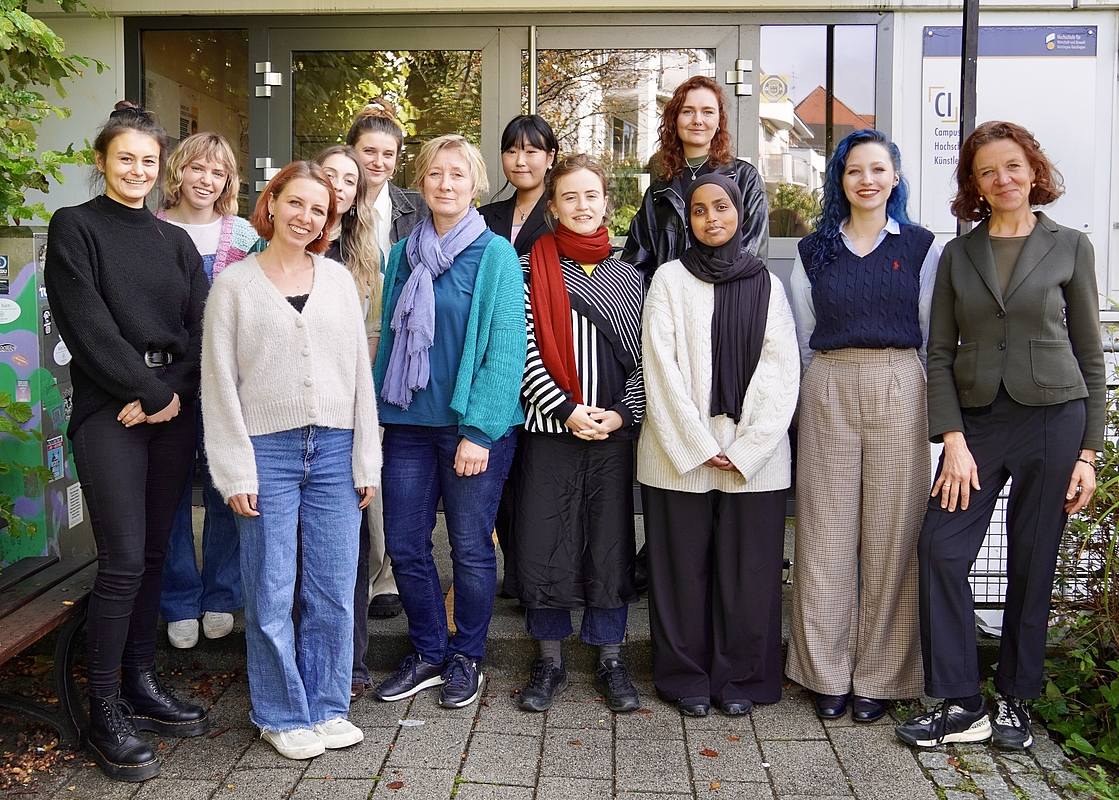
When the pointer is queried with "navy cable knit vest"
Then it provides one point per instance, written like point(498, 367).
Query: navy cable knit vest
point(870, 301)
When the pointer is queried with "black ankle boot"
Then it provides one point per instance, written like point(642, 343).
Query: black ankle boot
point(114, 743)
point(155, 708)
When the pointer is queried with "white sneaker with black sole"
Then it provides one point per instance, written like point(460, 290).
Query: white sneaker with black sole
point(945, 723)
point(1011, 728)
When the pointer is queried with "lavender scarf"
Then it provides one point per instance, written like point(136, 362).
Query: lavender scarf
point(413, 319)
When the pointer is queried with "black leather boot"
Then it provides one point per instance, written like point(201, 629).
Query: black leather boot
point(114, 743)
point(155, 708)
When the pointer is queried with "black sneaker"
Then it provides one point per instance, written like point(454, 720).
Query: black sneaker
point(412, 675)
point(383, 606)
point(611, 678)
point(1011, 726)
point(546, 679)
point(944, 724)
point(462, 682)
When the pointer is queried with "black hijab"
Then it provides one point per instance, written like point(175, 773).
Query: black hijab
point(742, 286)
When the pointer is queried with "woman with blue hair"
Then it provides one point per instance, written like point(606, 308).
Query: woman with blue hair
point(861, 291)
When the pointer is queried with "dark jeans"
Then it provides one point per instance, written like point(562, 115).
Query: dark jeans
point(133, 479)
point(600, 625)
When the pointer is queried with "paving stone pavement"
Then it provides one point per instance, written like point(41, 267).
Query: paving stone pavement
point(579, 750)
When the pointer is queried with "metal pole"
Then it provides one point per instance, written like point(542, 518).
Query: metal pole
point(829, 93)
point(532, 69)
point(968, 62)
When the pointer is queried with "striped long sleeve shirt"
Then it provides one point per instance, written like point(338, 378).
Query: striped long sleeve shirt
point(606, 330)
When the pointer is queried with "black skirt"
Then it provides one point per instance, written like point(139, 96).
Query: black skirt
point(575, 542)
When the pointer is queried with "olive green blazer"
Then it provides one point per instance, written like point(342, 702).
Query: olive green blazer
point(1041, 340)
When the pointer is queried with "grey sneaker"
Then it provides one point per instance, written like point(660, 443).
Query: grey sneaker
point(945, 723)
point(1011, 728)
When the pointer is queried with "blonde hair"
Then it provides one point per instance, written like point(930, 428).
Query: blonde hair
point(203, 147)
point(356, 233)
point(475, 164)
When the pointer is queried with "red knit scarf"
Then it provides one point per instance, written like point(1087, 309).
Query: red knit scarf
point(551, 307)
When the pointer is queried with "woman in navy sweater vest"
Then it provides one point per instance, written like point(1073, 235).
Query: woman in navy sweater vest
point(861, 291)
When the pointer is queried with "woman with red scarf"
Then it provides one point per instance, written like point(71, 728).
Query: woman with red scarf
point(584, 397)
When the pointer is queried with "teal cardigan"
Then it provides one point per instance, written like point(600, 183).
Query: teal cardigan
point(487, 392)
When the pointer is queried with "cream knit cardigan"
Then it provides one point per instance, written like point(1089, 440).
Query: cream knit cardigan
point(267, 368)
point(679, 433)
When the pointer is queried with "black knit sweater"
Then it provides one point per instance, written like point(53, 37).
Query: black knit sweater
point(121, 283)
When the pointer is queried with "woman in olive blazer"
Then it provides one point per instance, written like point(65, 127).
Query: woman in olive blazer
point(1015, 390)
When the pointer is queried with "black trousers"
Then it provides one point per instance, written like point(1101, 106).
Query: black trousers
point(1038, 448)
point(133, 479)
point(715, 593)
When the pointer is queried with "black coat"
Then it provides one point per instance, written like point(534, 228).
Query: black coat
point(499, 216)
point(659, 231)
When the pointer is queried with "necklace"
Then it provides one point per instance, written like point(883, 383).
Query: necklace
point(524, 214)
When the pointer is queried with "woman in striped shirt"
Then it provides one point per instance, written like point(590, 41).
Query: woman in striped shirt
point(584, 397)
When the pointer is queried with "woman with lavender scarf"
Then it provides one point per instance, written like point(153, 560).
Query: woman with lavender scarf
point(448, 376)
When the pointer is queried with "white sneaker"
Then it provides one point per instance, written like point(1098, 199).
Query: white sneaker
point(183, 633)
point(296, 745)
point(338, 732)
point(216, 624)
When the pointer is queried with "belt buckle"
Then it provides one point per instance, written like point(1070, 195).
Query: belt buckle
point(157, 358)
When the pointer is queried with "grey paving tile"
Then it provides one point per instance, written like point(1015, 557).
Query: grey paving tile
point(947, 778)
point(320, 789)
point(255, 784)
point(415, 783)
point(487, 791)
point(720, 724)
point(736, 758)
point(1046, 752)
point(363, 761)
point(655, 719)
point(993, 786)
point(879, 766)
point(580, 707)
point(1016, 762)
point(172, 789)
point(425, 705)
point(369, 712)
point(438, 744)
point(577, 754)
point(568, 788)
point(1034, 786)
point(792, 718)
point(651, 766)
point(232, 708)
point(261, 755)
point(730, 790)
point(503, 759)
point(201, 757)
point(934, 759)
point(953, 794)
point(808, 768)
point(498, 711)
point(90, 783)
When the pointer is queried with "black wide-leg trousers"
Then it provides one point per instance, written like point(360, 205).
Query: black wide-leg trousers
point(715, 593)
point(1037, 447)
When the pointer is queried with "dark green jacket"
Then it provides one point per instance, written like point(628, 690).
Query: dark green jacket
point(1041, 340)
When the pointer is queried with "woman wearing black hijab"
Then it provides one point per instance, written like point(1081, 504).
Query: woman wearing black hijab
point(721, 370)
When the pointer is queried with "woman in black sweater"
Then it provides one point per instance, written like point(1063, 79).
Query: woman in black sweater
point(127, 292)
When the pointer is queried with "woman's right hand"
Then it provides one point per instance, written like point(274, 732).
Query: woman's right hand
point(958, 473)
point(131, 414)
point(583, 425)
point(244, 504)
point(168, 413)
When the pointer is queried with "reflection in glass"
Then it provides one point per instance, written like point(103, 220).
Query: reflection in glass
point(199, 81)
point(435, 91)
point(793, 111)
point(607, 103)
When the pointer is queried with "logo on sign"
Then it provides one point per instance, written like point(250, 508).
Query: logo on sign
point(774, 88)
point(942, 104)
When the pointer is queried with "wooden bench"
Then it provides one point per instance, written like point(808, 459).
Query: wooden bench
point(38, 595)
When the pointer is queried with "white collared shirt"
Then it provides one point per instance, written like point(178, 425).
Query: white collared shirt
point(382, 219)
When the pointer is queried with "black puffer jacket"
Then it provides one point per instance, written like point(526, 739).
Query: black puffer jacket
point(658, 233)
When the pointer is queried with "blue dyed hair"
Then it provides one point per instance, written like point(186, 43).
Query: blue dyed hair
point(836, 208)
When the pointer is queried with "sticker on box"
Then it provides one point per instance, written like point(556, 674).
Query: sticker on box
point(9, 311)
point(74, 508)
point(23, 391)
point(61, 354)
point(55, 457)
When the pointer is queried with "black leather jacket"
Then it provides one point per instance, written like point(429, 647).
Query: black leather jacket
point(408, 208)
point(658, 233)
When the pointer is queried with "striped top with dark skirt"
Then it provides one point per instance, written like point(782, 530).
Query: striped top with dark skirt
point(606, 331)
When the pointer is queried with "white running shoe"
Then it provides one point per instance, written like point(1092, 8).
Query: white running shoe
point(296, 745)
point(337, 733)
point(183, 633)
point(216, 624)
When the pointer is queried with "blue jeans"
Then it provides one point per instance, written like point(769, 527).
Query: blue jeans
point(305, 476)
point(600, 625)
point(186, 593)
point(419, 468)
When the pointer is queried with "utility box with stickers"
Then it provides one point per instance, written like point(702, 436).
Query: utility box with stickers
point(38, 483)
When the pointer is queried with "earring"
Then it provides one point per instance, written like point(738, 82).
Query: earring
point(271, 218)
point(319, 236)
point(353, 210)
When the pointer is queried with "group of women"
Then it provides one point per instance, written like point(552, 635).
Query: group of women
point(505, 362)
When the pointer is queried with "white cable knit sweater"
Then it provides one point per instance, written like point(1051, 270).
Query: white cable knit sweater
point(268, 368)
point(679, 433)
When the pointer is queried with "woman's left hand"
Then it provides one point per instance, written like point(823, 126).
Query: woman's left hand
point(1082, 484)
point(131, 414)
point(366, 493)
point(470, 459)
point(609, 420)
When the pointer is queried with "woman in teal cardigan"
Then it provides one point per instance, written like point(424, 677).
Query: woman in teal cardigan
point(448, 376)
